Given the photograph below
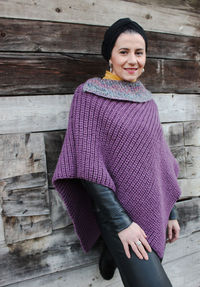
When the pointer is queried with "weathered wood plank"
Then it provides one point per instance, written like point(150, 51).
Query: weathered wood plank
point(61, 251)
point(192, 133)
point(21, 154)
point(84, 276)
point(37, 36)
point(189, 187)
point(179, 154)
point(37, 257)
point(185, 271)
point(176, 108)
point(53, 143)
point(21, 198)
point(53, 73)
point(173, 133)
point(2, 238)
point(188, 216)
point(26, 227)
point(34, 113)
point(59, 215)
point(192, 162)
point(184, 246)
point(183, 20)
point(48, 113)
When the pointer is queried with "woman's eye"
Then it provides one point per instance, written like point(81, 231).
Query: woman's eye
point(139, 53)
point(123, 52)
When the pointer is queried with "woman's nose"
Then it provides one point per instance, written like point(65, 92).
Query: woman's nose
point(132, 58)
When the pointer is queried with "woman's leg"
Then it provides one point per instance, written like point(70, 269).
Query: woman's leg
point(134, 271)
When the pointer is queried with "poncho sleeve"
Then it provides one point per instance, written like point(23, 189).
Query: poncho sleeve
point(81, 158)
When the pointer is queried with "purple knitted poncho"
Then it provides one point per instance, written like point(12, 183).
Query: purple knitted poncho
point(114, 138)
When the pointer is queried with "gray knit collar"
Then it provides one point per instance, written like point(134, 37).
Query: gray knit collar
point(119, 90)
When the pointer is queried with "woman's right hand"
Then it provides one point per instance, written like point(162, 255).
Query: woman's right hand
point(131, 235)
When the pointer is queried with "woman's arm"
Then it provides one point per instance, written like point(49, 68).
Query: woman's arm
point(107, 203)
point(129, 232)
point(173, 213)
point(173, 228)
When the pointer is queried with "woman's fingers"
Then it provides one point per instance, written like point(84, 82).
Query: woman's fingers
point(170, 232)
point(146, 244)
point(126, 249)
point(144, 234)
point(136, 250)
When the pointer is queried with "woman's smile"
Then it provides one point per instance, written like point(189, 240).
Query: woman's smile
point(128, 56)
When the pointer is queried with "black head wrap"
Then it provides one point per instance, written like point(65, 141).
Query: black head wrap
point(113, 32)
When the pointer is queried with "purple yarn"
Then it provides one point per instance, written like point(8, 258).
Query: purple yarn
point(119, 144)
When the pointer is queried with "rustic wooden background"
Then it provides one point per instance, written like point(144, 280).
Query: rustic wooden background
point(47, 48)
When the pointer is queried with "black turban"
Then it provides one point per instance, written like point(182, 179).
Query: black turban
point(113, 32)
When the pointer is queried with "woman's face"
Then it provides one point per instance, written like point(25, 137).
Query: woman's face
point(128, 56)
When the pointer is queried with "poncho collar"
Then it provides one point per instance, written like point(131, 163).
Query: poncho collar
point(119, 90)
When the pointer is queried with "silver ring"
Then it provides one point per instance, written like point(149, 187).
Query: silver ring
point(138, 243)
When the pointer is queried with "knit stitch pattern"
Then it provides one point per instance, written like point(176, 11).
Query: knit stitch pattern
point(118, 144)
point(119, 90)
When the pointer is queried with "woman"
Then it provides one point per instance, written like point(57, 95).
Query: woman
point(116, 173)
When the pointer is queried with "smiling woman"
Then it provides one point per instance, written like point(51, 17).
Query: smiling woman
point(128, 56)
point(116, 173)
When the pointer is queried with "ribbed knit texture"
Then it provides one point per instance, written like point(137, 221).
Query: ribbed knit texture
point(119, 144)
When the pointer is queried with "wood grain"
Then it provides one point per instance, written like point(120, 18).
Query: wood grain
point(50, 113)
point(59, 215)
point(61, 250)
point(192, 133)
point(25, 195)
point(24, 74)
point(173, 133)
point(48, 254)
point(21, 154)
point(20, 228)
point(188, 216)
point(190, 187)
point(154, 18)
point(42, 36)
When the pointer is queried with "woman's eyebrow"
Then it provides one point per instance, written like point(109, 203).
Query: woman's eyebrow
point(142, 49)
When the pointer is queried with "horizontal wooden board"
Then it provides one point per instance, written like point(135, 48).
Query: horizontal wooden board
point(188, 216)
point(36, 36)
point(50, 113)
point(59, 215)
point(182, 247)
point(192, 133)
point(83, 276)
point(26, 227)
point(61, 251)
point(176, 108)
point(192, 162)
point(183, 19)
point(89, 276)
point(37, 257)
point(179, 154)
point(173, 133)
point(190, 187)
point(21, 154)
point(34, 113)
point(185, 271)
point(21, 196)
point(39, 73)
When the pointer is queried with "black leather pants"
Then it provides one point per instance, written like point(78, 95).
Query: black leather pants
point(134, 271)
point(111, 219)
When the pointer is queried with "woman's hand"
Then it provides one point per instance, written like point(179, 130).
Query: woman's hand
point(173, 230)
point(131, 235)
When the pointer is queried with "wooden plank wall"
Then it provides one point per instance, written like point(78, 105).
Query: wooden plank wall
point(47, 48)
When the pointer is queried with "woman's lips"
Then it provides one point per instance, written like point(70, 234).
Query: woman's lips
point(131, 70)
